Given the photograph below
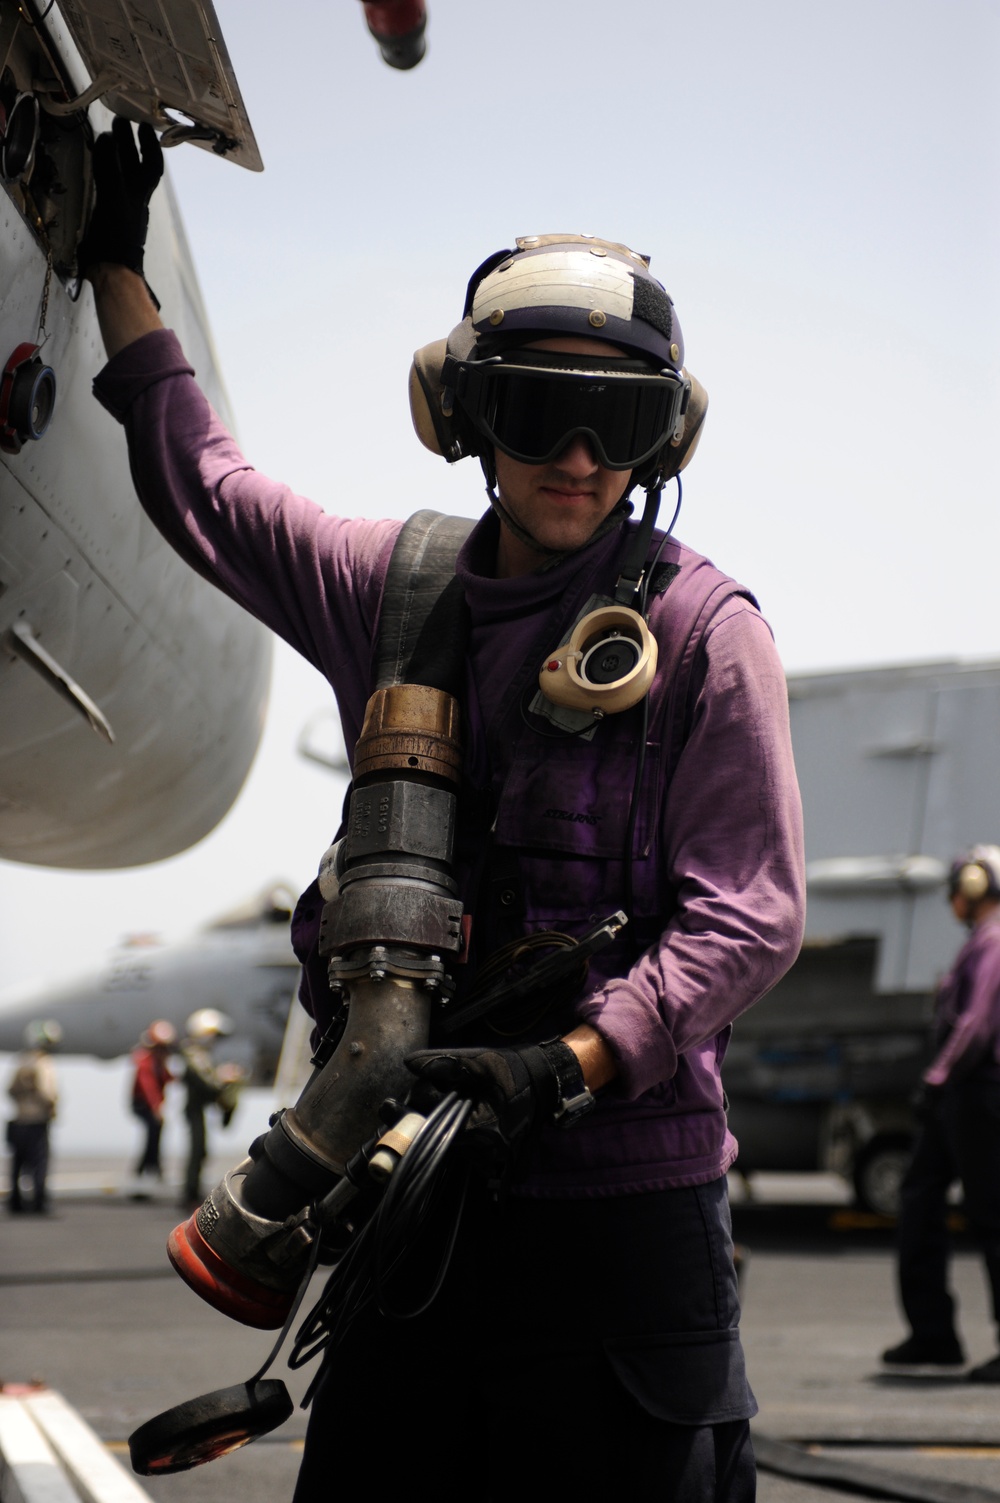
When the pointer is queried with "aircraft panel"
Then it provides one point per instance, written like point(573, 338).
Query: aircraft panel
point(158, 56)
point(963, 802)
point(861, 753)
point(892, 785)
point(885, 734)
point(99, 618)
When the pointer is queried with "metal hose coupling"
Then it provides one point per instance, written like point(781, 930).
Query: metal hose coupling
point(391, 922)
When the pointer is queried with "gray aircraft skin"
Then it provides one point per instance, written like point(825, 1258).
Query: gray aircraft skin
point(105, 632)
point(241, 963)
point(896, 778)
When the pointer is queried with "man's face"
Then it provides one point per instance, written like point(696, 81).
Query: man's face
point(563, 502)
point(968, 911)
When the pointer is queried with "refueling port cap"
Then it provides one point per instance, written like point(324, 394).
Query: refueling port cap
point(211, 1425)
point(27, 398)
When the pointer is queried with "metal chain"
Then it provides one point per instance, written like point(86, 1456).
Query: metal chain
point(43, 332)
point(40, 19)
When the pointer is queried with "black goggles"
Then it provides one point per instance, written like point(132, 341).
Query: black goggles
point(530, 405)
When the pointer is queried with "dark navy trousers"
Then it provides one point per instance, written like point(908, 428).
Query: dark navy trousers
point(577, 1346)
point(149, 1158)
point(29, 1144)
point(960, 1140)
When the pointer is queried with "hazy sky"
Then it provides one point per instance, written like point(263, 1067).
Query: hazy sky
point(818, 189)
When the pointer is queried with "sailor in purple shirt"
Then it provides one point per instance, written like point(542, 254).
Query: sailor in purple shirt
point(959, 1108)
point(587, 1334)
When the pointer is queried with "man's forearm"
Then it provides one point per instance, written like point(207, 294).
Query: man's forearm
point(125, 310)
point(596, 1059)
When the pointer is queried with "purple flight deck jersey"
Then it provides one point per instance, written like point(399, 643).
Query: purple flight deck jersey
point(967, 1011)
point(717, 850)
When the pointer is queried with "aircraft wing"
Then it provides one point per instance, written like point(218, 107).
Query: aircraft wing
point(165, 62)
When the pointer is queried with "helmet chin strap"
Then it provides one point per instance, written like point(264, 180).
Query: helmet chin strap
point(619, 513)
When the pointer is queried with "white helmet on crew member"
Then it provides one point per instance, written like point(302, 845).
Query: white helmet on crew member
point(208, 1023)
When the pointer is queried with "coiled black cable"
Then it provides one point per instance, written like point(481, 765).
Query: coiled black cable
point(365, 1274)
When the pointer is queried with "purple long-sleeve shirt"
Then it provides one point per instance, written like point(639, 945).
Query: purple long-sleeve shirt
point(967, 1011)
point(718, 868)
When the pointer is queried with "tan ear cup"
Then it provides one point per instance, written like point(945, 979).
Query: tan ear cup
point(582, 673)
point(973, 882)
point(432, 420)
point(426, 391)
point(681, 449)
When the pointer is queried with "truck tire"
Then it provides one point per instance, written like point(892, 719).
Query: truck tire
point(878, 1172)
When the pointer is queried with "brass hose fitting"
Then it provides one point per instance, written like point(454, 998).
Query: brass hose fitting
point(411, 729)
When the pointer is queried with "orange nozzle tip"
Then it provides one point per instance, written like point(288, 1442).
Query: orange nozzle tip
point(223, 1287)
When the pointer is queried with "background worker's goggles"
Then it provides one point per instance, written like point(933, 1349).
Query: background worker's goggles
point(531, 404)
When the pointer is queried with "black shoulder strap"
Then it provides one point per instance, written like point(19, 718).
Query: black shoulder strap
point(423, 619)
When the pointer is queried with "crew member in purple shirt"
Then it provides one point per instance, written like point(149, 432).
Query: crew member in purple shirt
point(959, 1110)
point(587, 1333)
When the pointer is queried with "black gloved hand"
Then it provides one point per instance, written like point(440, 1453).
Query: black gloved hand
point(515, 1091)
point(125, 182)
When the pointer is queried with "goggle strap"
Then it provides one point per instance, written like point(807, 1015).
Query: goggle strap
point(627, 590)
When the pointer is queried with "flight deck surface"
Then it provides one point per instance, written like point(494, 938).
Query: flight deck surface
point(90, 1306)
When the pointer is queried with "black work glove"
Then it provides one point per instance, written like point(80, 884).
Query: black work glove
point(515, 1091)
point(926, 1101)
point(125, 182)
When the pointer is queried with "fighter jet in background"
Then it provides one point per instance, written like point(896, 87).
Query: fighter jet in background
point(242, 964)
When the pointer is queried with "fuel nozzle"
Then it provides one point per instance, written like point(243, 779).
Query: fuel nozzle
point(398, 27)
point(213, 1424)
point(390, 925)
